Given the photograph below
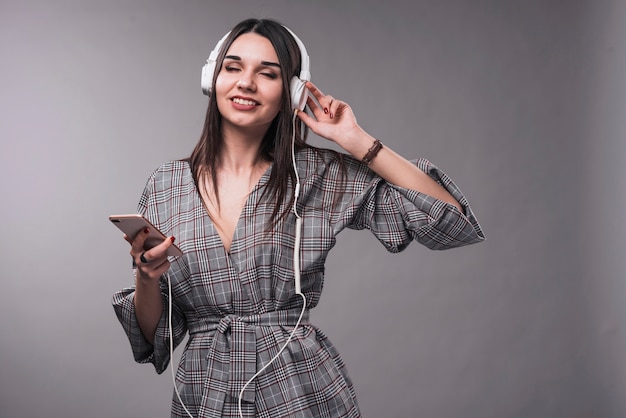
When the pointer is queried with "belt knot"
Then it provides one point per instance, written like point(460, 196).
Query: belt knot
point(233, 357)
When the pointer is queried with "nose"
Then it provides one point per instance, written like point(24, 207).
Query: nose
point(246, 82)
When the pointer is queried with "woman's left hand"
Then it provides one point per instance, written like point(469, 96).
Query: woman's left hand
point(333, 119)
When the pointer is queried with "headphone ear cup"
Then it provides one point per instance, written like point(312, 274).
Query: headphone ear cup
point(298, 93)
point(209, 68)
point(207, 77)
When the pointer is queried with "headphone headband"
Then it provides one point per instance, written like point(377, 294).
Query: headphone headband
point(305, 73)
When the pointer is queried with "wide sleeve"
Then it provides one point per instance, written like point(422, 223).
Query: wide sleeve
point(144, 351)
point(399, 216)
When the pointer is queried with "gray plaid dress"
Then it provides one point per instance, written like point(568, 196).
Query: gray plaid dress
point(239, 308)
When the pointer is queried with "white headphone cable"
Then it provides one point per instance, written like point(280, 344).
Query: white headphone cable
point(169, 322)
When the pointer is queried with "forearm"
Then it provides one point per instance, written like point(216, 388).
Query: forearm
point(397, 170)
point(148, 306)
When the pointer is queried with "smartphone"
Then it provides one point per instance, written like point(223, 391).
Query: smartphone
point(132, 224)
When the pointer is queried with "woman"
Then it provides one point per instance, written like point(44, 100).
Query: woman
point(233, 208)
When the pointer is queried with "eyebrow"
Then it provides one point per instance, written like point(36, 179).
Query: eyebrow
point(266, 63)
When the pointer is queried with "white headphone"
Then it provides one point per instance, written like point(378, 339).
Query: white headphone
point(296, 86)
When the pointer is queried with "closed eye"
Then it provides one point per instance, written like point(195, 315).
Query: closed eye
point(268, 69)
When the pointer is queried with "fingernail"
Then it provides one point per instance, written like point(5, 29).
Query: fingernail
point(146, 230)
point(172, 239)
point(325, 110)
point(331, 115)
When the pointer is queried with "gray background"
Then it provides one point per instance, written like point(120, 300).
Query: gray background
point(521, 102)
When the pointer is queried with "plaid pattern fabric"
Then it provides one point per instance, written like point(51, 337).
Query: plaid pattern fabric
point(240, 307)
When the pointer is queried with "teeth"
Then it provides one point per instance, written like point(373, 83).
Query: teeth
point(244, 102)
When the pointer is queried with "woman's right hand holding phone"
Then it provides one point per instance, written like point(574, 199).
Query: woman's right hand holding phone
point(151, 263)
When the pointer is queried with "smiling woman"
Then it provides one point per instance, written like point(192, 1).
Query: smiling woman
point(256, 210)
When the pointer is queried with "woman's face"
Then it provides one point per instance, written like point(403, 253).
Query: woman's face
point(249, 86)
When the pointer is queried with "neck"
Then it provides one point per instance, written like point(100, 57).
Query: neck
point(241, 152)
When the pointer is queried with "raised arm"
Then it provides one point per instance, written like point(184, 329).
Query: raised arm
point(334, 120)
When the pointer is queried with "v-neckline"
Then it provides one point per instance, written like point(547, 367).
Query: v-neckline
point(213, 226)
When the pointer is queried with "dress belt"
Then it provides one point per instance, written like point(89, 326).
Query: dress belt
point(231, 361)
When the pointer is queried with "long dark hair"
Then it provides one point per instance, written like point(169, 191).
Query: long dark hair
point(276, 144)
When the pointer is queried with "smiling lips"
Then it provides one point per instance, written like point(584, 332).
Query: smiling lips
point(244, 102)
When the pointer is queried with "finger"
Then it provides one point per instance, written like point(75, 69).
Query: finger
point(328, 103)
point(143, 259)
point(314, 125)
point(154, 270)
point(307, 119)
point(152, 265)
point(316, 110)
point(138, 242)
point(315, 91)
point(165, 245)
point(154, 262)
point(159, 252)
point(335, 107)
